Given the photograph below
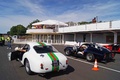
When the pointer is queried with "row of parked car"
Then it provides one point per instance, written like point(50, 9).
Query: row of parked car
point(40, 57)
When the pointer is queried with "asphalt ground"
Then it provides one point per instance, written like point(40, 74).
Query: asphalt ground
point(78, 69)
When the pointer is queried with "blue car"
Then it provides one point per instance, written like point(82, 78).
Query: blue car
point(90, 51)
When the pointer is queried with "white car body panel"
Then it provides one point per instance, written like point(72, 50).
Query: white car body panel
point(35, 60)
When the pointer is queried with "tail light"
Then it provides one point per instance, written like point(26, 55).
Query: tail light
point(41, 65)
point(66, 61)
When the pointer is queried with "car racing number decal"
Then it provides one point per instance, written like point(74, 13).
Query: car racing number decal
point(55, 61)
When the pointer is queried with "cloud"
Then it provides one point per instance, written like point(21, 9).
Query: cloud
point(90, 11)
point(35, 8)
point(25, 11)
point(15, 20)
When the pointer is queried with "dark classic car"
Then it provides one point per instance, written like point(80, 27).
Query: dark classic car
point(90, 51)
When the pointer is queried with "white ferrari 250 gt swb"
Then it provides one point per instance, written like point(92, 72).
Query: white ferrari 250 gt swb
point(39, 57)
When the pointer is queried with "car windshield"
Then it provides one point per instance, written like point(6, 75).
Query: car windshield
point(93, 45)
point(44, 49)
point(96, 46)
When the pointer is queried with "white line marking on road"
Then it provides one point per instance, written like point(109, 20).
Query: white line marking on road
point(93, 64)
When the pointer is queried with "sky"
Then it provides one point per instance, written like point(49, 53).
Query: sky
point(15, 12)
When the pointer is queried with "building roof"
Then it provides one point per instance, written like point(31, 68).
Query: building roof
point(51, 22)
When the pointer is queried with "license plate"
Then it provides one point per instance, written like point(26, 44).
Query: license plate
point(55, 63)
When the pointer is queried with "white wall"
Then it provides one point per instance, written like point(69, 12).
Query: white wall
point(91, 27)
point(116, 24)
point(39, 31)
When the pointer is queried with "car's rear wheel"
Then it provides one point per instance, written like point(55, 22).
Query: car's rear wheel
point(112, 55)
point(90, 57)
point(27, 67)
point(67, 52)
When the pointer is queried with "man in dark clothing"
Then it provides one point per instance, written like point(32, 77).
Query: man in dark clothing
point(3, 40)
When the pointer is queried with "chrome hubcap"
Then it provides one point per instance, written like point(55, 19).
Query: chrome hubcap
point(67, 52)
point(89, 57)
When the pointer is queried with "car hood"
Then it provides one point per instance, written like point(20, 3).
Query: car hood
point(105, 50)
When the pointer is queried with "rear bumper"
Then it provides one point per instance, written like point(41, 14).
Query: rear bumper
point(47, 69)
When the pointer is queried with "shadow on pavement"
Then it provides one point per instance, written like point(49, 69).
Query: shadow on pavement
point(53, 74)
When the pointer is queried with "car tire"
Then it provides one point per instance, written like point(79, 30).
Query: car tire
point(27, 68)
point(9, 56)
point(90, 57)
point(67, 52)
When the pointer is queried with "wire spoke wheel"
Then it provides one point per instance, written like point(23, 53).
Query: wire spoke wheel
point(90, 57)
point(27, 67)
point(67, 52)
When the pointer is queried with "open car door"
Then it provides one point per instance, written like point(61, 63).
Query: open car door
point(13, 55)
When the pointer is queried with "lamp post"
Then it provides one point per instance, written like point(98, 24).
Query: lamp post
point(96, 18)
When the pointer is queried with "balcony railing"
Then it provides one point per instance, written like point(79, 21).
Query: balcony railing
point(112, 25)
point(40, 31)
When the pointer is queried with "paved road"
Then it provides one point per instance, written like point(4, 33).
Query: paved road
point(78, 69)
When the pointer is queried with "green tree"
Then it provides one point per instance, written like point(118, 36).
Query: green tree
point(18, 30)
point(83, 22)
point(30, 25)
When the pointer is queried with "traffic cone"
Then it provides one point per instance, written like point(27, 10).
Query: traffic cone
point(95, 68)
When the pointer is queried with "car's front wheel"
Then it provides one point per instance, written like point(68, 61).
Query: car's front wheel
point(67, 52)
point(27, 67)
point(90, 57)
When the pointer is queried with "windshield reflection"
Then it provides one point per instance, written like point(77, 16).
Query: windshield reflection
point(44, 49)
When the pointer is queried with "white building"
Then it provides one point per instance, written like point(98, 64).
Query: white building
point(104, 32)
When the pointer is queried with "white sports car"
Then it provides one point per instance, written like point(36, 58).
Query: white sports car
point(39, 57)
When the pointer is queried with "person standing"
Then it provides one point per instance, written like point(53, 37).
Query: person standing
point(3, 40)
point(0, 40)
point(9, 42)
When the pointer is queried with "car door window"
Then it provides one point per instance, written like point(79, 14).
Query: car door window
point(26, 47)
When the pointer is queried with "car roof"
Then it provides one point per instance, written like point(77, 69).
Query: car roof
point(86, 43)
point(38, 43)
